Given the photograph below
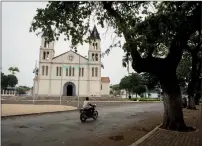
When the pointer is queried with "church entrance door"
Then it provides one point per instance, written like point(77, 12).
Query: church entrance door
point(69, 90)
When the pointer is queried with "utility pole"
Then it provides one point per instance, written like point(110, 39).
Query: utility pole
point(61, 80)
point(79, 73)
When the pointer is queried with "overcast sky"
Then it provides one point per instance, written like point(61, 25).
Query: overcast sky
point(21, 48)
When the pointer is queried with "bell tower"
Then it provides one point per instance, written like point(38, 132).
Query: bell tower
point(46, 49)
point(94, 47)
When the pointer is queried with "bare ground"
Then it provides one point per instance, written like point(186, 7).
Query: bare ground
point(133, 132)
point(129, 134)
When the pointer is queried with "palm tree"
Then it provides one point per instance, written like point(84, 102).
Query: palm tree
point(13, 70)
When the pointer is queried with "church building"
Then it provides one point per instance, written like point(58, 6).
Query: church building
point(71, 74)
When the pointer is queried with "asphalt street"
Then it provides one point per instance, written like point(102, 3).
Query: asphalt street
point(66, 129)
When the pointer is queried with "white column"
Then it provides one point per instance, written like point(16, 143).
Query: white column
point(3, 92)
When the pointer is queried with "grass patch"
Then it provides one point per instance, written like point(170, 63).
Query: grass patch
point(145, 99)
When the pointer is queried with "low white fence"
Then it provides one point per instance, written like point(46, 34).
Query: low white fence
point(8, 93)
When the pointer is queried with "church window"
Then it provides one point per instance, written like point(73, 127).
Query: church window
point(93, 57)
point(79, 71)
point(82, 71)
point(46, 70)
point(96, 57)
point(47, 56)
point(92, 71)
point(43, 69)
point(60, 71)
point(95, 47)
point(57, 71)
point(44, 55)
point(46, 43)
point(101, 86)
point(96, 71)
point(66, 71)
point(70, 71)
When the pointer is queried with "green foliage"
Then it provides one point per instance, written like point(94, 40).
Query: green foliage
point(150, 81)
point(12, 80)
point(133, 83)
point(22, 89)
point(139, 89)
point(8, 81)
point(115, 89)
point(152, 34)
point(4, 81)
point(13, 70)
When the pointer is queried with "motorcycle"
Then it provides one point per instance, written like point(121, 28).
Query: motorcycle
point(86, 114)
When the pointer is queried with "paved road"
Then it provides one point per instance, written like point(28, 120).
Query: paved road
point(65, 129)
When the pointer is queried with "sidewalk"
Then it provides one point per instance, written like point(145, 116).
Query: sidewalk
point(162, 137)
point(22, 109)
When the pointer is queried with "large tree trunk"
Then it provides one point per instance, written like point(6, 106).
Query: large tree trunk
point(173, 116)
point(191, 103)
point(192, 85)
point(197, 98)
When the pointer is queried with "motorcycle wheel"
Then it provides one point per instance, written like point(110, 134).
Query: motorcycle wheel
point(83, 117)
point(95, 115)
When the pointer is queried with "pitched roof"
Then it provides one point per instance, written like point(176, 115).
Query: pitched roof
point(94, 34)
point(70, 51)
point(105, 79)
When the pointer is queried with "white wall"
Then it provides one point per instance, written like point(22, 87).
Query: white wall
point(105, 89)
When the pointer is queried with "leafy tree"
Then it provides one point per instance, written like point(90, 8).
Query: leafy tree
point(150, 81)
point(183, 71)
point(4, 81)
point(115, 89)
point(164, 31)
point(133, 83)
point(12, 80)
point(140, 89)
point(13, 70)
point(22, 89)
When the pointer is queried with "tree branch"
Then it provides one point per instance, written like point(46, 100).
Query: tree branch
point(139, 64)
point(180, 41)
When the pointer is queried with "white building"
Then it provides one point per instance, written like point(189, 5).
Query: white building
point(70, 73)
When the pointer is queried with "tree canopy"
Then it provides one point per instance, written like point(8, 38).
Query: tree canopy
point(13, 70)
point(8, 81)
point(133, 84)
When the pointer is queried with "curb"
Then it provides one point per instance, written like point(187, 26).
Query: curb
point(139, 141)
point(37, 114)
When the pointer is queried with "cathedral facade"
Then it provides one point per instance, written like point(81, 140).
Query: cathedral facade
point(71, 74)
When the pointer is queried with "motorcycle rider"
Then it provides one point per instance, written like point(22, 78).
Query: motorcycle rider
point(87, 105)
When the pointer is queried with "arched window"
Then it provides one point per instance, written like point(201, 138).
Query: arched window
point(95, 46)
point(46, 43)
point(44, 55)
point(93, 57)
point(96, 71)
point(96, 57)
point(70, 71)
point(82, 71)
point(43, 70)
point(66, 71)
point(46, 70)
point(60, 71)
point(57, 71)
point(92, 71)
point(79, 71)
point(47, 55)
